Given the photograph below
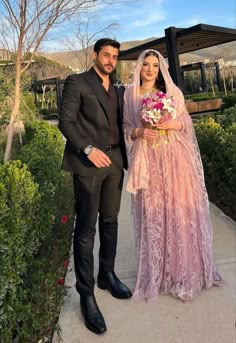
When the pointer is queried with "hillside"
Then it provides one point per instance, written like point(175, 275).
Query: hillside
point(71, 59)
point(226, 51)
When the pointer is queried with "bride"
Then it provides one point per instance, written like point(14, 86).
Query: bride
point(170, 209)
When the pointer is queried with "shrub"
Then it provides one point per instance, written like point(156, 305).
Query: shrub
point(42, 151)
point(28, 108)
point(202, 96)
point(217, 150)
point(34, 242)
point(227, 118)
point(42, 154)
point(43, 294)
point(229, 100)
point(20, 234)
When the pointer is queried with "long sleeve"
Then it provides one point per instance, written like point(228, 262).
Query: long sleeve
point(68, 120)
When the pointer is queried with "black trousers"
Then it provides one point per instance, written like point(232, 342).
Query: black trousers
point(100, 194)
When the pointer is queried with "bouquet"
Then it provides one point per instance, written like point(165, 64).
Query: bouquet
point(157, 107)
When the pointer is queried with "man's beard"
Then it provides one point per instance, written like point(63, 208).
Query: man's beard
point(101, 68)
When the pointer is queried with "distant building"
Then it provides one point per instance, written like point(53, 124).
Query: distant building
point(5, 55)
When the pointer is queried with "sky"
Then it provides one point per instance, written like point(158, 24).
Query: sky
point(141, 19)
point(149, 18)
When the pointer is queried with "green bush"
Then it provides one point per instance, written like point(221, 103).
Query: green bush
point(227, 118)
point(20, 235)
point(229, 100)
point(217, 147)
point(43, 295)
point(43, 153)
point(34, 242)
point(230, 153)
point(28, 108)
point(202, 96)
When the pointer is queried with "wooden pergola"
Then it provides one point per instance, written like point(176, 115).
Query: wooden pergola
point(178, 41)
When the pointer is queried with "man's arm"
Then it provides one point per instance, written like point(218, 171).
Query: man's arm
point(68, 123)
point(68, 116)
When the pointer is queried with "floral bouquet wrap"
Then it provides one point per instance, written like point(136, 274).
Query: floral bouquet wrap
point(157, 107)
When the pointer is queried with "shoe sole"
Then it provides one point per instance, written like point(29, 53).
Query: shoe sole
point(91, 328)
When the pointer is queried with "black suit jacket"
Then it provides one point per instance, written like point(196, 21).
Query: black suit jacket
point(84, 120)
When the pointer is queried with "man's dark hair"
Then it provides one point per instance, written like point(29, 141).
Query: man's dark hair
point(104, 42)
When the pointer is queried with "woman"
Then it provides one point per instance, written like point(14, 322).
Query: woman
point(170, 208)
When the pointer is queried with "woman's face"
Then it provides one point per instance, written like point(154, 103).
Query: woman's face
point(150, 68)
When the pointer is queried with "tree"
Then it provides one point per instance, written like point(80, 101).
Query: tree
point(211, 74)
point(83, 38)
point(26, 23)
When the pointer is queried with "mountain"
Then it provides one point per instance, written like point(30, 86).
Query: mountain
point(226, 51)
point(71, 59)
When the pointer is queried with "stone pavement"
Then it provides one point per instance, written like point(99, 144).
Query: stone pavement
point(209, 318)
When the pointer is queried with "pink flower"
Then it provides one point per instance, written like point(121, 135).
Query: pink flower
point(162, 95)
point(64, 219)
point(158, 106)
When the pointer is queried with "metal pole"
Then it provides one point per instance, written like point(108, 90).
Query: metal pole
point(173, 57)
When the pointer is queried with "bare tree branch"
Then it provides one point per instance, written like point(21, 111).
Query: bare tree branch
point(29, 21)
point(88, 31)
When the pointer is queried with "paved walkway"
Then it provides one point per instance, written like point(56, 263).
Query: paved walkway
point(210, 318)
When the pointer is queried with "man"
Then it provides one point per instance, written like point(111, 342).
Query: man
point(91, 121)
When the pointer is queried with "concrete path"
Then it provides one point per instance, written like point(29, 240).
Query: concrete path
point(210, 318)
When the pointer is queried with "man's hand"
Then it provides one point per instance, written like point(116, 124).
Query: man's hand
point(99, 158)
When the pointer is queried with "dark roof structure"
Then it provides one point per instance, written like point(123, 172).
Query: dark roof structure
point(178, 41)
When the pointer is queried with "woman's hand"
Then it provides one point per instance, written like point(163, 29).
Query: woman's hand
point(173, 124)
point(146, 133)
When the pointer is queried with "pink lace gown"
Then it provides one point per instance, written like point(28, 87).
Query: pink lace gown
point(172, 227)
point(170, 208)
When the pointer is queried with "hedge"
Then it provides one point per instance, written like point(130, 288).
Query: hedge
point(34, 243)
point(228, 101)
point(218, 150)
point(19, 235)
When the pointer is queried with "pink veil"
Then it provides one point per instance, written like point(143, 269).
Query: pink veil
point(138, 171)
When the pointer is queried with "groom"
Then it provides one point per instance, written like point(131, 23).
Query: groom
point(91, 121)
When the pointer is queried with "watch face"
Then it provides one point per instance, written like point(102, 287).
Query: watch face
point(88, 149)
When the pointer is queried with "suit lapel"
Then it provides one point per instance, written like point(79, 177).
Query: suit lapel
point(95, 84)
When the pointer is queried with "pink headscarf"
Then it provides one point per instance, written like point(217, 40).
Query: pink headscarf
point(138, 172)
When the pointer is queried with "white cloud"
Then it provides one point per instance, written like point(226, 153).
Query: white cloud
point(193, 21)
point(149, 20)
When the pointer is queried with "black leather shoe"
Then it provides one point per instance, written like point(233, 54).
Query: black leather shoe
point(109, 280)
point(94, 320)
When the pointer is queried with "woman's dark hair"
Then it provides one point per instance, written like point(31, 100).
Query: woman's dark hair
point(160, 83)
point(104, 42)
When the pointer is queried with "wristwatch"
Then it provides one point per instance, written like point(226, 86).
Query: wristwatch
point(88, 149)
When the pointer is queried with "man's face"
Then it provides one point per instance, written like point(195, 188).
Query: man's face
point(106, 59)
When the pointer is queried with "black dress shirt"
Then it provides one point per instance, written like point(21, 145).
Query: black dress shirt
point(112, 104)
